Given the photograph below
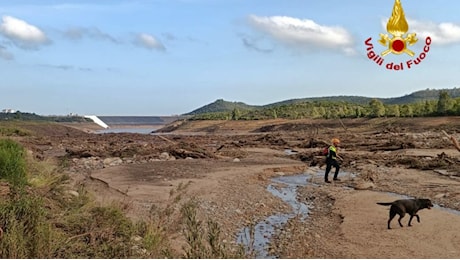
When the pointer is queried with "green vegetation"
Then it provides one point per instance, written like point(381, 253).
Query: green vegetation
point(12, 163)
point(204, 242)
point(41, 216)
point(444, 105)
point(24, 116)
point(415, 97)
point(221, 106)
point(12, 131)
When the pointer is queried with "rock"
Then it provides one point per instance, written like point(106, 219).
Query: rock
point(442, 172)
point(441, 195)
point(261, 177)
point(114, 161)
point(371, 162)
point(164, 156)
point(73, 193)
point(236, 160)
point(136, 238)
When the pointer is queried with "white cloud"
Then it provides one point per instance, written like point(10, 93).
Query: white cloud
point(22, 34)
point(78, 33)
point(444, 33)
point(304, 34)
point(142, 40)
point(149, 42)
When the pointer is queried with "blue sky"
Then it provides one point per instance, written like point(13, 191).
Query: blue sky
point(165, 57)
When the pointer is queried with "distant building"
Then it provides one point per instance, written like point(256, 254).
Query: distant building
point(8, 110)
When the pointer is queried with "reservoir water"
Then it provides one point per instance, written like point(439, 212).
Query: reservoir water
point(126, 130)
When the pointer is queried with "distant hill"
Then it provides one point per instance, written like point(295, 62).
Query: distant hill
point(422, 95)
point(349, 99)
point(221, 105)
point(418, 96)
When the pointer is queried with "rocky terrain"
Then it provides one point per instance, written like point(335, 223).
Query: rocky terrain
point(228, 165)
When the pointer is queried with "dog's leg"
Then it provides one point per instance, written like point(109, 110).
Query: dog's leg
point(416, 215)
point(392, 215)
point(411, 216)
point(399, 219)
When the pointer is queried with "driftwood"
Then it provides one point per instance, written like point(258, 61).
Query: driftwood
point(343, 125)
point(182, 153)
point(106, 184)
point(387, 148)
point(452, 138)
point(166, 139)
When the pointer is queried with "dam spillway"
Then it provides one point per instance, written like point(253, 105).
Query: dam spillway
point(116, 121)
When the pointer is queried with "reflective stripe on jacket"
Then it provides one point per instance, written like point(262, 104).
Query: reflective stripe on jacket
point(332, 153)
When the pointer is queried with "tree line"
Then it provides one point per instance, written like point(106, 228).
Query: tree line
point(443, 106)
point(25, 116)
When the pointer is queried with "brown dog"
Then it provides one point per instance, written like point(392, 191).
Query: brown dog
point(409, 206)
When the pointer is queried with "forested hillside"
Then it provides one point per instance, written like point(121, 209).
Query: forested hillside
point(221, 105)
point(418, 104)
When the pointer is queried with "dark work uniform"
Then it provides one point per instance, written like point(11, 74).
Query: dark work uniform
point(331, 161)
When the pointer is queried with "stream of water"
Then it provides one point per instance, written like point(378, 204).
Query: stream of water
point(258, 237)
point(264, 230)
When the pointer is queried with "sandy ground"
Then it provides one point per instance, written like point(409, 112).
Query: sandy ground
point(228, 166)
point(353, 226)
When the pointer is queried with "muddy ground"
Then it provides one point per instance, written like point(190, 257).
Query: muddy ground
point(228, 165)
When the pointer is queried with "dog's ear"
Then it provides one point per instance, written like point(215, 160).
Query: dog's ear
point(428, 201)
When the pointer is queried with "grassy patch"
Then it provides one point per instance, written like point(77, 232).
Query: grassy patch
point(12, 131)
point(26, 232)
point(13, 163)
point(43, 216)
point(203, 240)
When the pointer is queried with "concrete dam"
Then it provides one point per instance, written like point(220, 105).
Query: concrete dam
point(118, 121)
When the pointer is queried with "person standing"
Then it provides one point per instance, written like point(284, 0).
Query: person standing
point(331, 160)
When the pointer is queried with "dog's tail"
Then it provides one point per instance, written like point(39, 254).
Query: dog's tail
point(385, 203)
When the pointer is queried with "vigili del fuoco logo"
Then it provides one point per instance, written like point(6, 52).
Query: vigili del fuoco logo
point(398, 42)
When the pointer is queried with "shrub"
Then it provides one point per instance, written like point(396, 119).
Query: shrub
point(98, 232)
point(204, 241)
point(26, 232)
point(12, 131)
point(13, 163)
